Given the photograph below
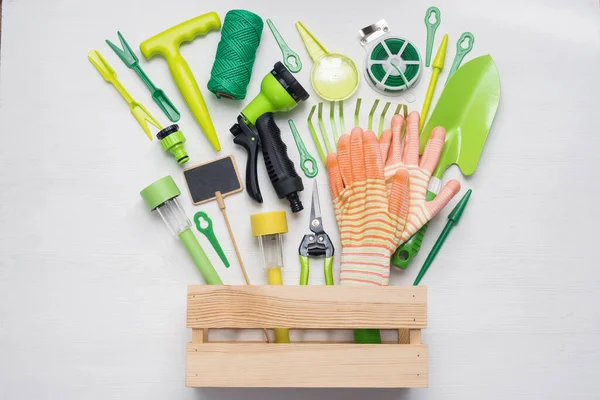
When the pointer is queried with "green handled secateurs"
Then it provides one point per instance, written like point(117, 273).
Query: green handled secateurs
point(316, 244)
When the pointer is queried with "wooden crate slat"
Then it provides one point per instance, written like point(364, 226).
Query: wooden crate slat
point(306, 365)
point(307, 307)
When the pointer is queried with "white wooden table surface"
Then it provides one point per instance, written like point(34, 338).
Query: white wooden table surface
point(92, 287)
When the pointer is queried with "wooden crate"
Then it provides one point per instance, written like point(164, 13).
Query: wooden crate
point(401, 364)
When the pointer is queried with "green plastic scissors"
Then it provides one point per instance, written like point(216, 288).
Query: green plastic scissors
point(316, 244)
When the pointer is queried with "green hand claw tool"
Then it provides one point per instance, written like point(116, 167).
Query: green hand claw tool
point(290, 59)
point(132, 62)
point(142, 116)
point(210, 234)
point(316, 244)
point(307, 162)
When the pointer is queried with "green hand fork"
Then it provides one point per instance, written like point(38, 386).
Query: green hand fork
point(207, 231)
point(316, 244)
point(142, 116)
point(132, 62)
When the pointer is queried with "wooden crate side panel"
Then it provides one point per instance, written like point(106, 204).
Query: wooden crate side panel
point(307, 307)
point(306, 365)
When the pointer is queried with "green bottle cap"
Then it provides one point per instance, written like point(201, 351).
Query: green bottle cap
point(456, 213)
point(160, 191)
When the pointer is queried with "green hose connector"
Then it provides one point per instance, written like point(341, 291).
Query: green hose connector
point(172, 140)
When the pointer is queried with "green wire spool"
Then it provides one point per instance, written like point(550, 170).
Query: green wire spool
point(393, 65)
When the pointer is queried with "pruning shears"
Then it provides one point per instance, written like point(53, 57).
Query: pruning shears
point(316, 244)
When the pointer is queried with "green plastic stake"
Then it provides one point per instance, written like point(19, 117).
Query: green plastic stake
point(132, 62)
point(313, 133)
point(290, 58)
point(208, 231)
point(452, 220)
point(323, 129)
point(332, 120)
point(382, 118)
point(357, 112)
point(432, 13)
point(463, 47)
point(342, 124)
point(308, 164)
point(370, 124)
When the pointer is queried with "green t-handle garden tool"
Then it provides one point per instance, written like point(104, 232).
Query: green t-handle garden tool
point(466, 109)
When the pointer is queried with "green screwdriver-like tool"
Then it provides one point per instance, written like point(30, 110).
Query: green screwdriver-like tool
point(132, 62)
point(452, 220)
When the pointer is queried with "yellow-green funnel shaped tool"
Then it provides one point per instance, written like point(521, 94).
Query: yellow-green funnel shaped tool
point(167, 45)
point(333, 76)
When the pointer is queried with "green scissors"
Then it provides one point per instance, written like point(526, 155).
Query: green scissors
point(316, 244)
point(210, 234)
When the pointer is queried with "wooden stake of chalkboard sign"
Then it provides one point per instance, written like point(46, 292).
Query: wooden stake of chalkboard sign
point(214, 180)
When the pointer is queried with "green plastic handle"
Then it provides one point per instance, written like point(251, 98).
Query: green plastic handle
point(404, 254)
point(463, 47)
point(200, 259)
point(304, 270)
point(307, 162)
point(431, 28)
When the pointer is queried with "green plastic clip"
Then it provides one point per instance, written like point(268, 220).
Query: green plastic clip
point(432, 21)
point(290, 58)
point(207, 231)
point(308, 164)
point(463, 47)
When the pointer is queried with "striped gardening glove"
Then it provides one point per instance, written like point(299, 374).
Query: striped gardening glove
point(401, 156)
point(371, 220)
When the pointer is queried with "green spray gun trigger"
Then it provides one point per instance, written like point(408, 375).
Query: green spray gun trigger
point(207, 231)
point(132, 62)
point(307, 162)
point(290, 59)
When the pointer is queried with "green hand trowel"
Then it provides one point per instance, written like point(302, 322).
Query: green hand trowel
point(466, 109)
point(333, 76)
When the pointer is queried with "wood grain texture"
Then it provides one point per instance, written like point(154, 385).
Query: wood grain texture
point(415, 336)
point(306, 365)
point(307, 307)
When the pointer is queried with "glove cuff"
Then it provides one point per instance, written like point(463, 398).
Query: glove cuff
point(365, 266)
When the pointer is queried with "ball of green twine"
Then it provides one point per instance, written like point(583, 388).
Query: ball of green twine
point(232, 69)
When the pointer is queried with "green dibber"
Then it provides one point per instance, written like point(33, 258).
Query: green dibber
point(453, 219)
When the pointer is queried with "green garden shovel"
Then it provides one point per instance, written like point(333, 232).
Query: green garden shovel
point(466, 109)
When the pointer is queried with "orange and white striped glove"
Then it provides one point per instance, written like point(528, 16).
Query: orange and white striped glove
point(371, 220)
point(404, 156)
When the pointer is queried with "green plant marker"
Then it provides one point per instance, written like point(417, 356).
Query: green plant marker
point(382, 118)
point(313, 133)
point(332, 120)
point(453, 219)
point(463, 47)
point(342, 124)
point(210, 234)
point(432, 13)
point(308, 164)
point(132, 62)
point(323, 129)
point(357, 112)
point(370, 121)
